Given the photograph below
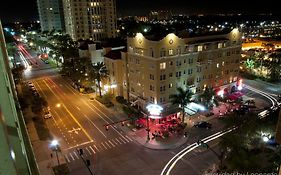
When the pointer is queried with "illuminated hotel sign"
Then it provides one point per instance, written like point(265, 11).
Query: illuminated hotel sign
point(154, 111)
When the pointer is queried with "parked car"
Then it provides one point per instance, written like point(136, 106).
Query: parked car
point(203, 124)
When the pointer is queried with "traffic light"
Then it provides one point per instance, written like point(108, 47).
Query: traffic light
point(106, 127)
point(81, 151)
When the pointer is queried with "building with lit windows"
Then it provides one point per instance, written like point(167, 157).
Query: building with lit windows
point(51, 15)
point(94, 19)
point(153, 69)
point(15, 149)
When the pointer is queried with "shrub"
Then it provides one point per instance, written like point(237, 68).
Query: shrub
point(121, 99)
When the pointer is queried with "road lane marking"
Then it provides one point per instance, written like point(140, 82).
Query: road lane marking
point(66, 158)
point(76, 154)
point(111, 143)
point(92, 149)
point(96, 147)
point(78, 108)
point(129, 138)
point(88, 151)
point(104, 146)
point(89, 137)
point(107, 145)
point(81, 144)
point(122, 140)
point(118, 141)
point(71, 156)
point(114, 141)
point(95, 125)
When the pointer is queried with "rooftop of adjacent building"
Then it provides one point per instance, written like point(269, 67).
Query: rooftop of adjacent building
point(115, 54)
point(108, 43)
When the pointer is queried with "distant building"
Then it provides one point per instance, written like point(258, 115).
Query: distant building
point(142, 18)
point(160, 15)
point(51, 15)
point(93, 20)
point(152, 69)
point(16, 153)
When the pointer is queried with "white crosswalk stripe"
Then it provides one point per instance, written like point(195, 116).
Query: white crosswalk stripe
point(66, 158)
point(96, 147)
point(76, 155)
point(104, 146)
point(107, 144)
point(111, 143)
point(88, 151)
point(93, 149)
point(129, 138)
point(120, 138)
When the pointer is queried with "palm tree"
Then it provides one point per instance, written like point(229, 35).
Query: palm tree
point(181, 98)
point(209, 97)
point(100, 72)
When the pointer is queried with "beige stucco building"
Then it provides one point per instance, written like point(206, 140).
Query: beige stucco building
point(151, 70)
point(93, 20)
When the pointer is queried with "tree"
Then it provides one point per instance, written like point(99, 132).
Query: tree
point(209, 97)
point(100, 72)
point(181, 98)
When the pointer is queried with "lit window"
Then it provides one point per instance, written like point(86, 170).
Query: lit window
point(200, 48)
point(220, 45)
point(162, 66)
point(171, 52)
point(170, 85)
point(218, 65)
point(222, 63)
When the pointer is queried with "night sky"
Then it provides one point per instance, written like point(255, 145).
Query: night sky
point(25, 10)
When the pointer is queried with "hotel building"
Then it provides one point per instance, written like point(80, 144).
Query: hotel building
point(17, 157)
point(152, 69)
point(94, 19)
point(51, 15)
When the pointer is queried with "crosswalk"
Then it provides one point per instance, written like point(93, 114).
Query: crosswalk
point(92, 149)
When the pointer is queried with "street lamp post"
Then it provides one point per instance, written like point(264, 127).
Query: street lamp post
point(55, 144)
point(148, 130)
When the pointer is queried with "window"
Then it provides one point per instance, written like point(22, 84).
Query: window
point(152, 99)
point(171, 63)
point(163, 77)
point(162, 66)
point(162, 88)
point(162, 99)
point(151, 88)
point(198, 69)
point(222, 63)
point(228, 53)
point(198, 79)
point(219, 45)
point(178, 62)
point(170, 74)
point(151, 77)
point(190, 60)
point(171, 51)
point(178, 74)
point(170, 85)
point(218, 65)
point(200, 48)
point(189, 71)
point(162, 52)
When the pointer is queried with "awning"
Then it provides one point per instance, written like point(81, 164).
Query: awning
point(171, 110)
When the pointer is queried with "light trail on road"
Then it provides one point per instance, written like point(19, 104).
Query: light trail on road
point(171, 164)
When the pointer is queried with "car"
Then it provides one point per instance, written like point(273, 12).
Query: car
point(203, 124)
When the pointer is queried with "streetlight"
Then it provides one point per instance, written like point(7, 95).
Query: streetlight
point(55, 145)
point(58, 105)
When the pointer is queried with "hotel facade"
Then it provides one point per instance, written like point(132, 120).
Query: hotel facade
point(94, 19)
point(151, 70)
